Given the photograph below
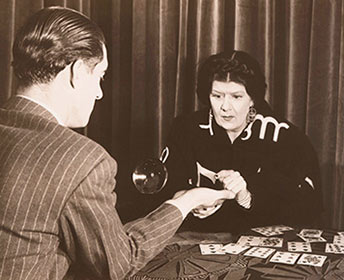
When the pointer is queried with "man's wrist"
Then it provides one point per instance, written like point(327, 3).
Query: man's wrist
point(182, 209)
point(184, 203)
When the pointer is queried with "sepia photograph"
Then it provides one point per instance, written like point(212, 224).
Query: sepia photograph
point(171, 139)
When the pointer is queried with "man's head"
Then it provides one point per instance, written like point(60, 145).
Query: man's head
point(52, 39)
point(60, 59)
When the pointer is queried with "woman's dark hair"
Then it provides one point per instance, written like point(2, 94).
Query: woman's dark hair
point(236, 66)
point(50, 40)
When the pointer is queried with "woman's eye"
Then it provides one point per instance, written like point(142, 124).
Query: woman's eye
point(237, 96)
point(216, 95)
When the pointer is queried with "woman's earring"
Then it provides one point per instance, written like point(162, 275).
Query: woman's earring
point(210, 115)
point(209, 125)
point(252, 112)
point(211, 122)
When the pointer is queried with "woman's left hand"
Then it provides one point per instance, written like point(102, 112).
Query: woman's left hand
point(233, 181)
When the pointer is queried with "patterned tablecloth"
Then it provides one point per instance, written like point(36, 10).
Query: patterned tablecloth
point(182, 260)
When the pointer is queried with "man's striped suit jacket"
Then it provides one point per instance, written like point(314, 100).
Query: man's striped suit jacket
point(57, 204)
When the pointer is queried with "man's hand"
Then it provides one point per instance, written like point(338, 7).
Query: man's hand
point(199, 197)
point(232, 181)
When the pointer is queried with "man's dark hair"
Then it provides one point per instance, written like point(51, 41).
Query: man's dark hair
point(50, 40)
point(235, 66)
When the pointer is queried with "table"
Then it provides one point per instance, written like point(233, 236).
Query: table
point(182, 259)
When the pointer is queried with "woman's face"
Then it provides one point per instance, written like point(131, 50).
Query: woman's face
point(230, 104)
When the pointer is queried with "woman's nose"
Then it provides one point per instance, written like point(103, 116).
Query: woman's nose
point(226, 104)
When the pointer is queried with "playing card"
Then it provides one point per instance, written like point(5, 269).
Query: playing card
point(299, 247)
point(311, 232)
point(249, 241)
point(282, 228)
point(338, 239)
point(284, 257)
point(311, 239)
point(267, 231)
point(259, 252)
point(233, 248)
point(334, 248)
point(211, 249)
point(271, 242)
point(313, 260)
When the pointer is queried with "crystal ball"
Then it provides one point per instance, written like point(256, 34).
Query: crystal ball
point(150, 176)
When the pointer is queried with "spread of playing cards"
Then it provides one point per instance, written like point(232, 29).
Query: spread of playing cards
point(282, 245)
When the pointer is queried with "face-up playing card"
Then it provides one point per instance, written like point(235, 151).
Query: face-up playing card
point(259, 252)
point(311, 239)
point(282, 228)
point(271, 242)
point(284, 257)
point(267, 231)
point(311, 232)
point(334, 248)
point(299, 247)
point(249, 241)
point(314, 260)
point(338, 239)
point(211, 249)
point(233, 248)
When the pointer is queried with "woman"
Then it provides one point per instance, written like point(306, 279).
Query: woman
point(238, 143)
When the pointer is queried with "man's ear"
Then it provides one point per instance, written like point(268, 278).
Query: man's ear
point(78, 69)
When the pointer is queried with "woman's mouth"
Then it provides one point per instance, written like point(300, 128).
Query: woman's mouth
point(228, 118)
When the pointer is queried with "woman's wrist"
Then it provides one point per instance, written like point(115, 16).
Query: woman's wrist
point(244, 199)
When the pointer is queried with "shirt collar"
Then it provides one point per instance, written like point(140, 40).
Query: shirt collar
point(44, 106)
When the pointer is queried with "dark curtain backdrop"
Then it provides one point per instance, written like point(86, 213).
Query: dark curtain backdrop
point(155, 47)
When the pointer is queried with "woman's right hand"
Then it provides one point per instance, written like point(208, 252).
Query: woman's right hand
point(199, 198)
point(202, 212)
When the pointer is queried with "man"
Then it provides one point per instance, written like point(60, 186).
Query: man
point(57, 214)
